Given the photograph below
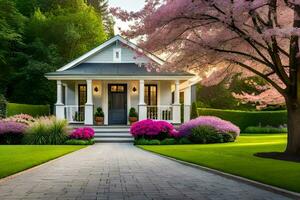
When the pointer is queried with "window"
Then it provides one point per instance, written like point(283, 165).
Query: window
point(117, 88)
point(151, 95)
point(82, 97)
point(117, 55)
point(181, 97)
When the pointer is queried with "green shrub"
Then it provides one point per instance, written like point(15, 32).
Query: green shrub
point(205, 135)
point(33, 110)
point(266, 129)
point(3, 105)
point(153, 142)
point(47, 130)
point(184, 140)
point(143, 141)
point(80, 142)
point(194, 112)
point(99, 112)
point(132, 112)
point(245, 119)
point(228, 137)
point(168, 141)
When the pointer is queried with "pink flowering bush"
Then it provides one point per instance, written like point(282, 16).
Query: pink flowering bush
point(152, 129)
point(85, 133)
point(221, 126)
point(11, 132)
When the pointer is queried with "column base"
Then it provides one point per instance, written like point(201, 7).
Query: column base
point(176, 114)
point(60, 111)
point(187, 113)
point(89, 114)
point(142, 111)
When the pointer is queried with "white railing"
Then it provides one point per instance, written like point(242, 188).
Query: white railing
point(74, 113)
point(160, 112)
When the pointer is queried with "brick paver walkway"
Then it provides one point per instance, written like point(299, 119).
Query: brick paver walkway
point(122, 171)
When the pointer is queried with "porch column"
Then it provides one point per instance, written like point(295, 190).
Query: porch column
point(89, 106)
point(187, 103)
point(176, 105)
point(142, 105)
point(59, 106)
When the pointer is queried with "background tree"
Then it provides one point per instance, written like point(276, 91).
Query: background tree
point(40, 36)
point(261, 36)
point(101, 6)
point(11, 30)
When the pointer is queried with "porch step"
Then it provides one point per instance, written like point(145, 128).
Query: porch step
point(111, 133)
point(114, 139)
point(106, 130)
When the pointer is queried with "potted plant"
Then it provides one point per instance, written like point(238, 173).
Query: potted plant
point(99, 116)
point(133, 116)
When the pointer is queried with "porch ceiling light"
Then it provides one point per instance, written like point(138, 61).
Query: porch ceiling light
point(96, 89)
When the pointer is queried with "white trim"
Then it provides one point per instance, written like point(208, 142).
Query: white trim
point(128, 99)
point(109, 62)
point(105, 44)
point(127, 83)
point(66, 93)
point(157, 77)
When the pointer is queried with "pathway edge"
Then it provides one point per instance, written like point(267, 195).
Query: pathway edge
point(260, 185)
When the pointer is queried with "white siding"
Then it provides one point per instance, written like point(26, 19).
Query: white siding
point(128, 55)
point(70, 92)
point(165, 93)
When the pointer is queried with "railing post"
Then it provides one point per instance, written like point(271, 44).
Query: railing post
point(142, 105)
point(59, 106)
point(176, 118)
point(89, 107)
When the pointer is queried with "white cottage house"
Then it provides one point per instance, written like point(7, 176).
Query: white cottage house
point(114, 78)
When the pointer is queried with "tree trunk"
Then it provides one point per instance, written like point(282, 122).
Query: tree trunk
point(293, 143)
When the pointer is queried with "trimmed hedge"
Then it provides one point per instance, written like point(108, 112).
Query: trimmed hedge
point(33, 110)
point(244, 119)
point(3, 104)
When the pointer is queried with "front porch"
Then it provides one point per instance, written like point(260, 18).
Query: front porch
point(77, 100)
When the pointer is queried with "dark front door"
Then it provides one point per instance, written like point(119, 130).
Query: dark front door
point(117, 104)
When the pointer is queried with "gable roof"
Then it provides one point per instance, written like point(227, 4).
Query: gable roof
point(105, 44)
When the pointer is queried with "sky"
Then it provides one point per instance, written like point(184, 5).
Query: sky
point(129, 5)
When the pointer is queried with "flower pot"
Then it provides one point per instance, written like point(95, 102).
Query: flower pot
point(132, 120)
point(99, 120)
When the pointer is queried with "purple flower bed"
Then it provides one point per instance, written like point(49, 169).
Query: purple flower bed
point(11, 132)
point(12, 127)
point(152, 129)
point(85, 133)
point(220, 125)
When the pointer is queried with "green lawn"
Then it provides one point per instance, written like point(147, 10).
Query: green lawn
point(16, 158)
point(237, 158)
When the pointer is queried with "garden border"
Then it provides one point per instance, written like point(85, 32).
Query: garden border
point(7, 178)
point(277, 190)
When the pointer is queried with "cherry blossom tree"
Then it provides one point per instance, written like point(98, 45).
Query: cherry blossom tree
point(261, 36)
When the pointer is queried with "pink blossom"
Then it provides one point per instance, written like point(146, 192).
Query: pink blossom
point(84, 133)
point(150, 127)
